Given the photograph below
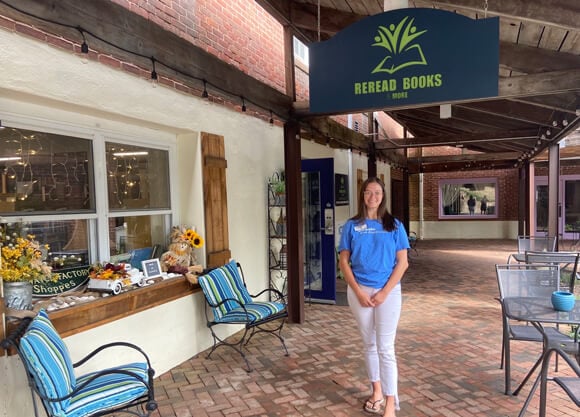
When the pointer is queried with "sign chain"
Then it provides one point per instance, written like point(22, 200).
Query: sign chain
point(318, 21)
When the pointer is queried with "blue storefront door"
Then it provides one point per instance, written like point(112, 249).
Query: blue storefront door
point(318, 213)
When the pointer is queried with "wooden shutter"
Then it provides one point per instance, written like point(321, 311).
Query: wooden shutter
point(215, 200)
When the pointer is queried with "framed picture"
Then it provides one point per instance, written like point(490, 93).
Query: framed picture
point(151, 268)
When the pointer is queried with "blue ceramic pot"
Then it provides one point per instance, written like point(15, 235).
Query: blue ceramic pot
point(563, 300)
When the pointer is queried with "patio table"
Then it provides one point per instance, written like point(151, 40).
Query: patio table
point(538, 311)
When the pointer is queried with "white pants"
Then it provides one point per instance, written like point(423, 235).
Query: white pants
point(378, 328)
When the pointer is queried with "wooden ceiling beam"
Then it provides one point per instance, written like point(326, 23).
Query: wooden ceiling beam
point(454, 140)
point(518, 111)
point(466, 157)
point(546, 83)
point(304, 18)
point(453, 166)
point(540, 84)
point(469, 120)
point(531, 60)
point(330, 131)
point(568, 103)
point(559, 13)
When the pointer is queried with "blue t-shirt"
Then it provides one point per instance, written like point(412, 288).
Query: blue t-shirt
point(373, 250)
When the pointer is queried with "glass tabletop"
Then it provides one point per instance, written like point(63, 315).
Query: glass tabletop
point(539, 309)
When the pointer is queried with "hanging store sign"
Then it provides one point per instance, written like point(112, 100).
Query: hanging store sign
point(404, 57)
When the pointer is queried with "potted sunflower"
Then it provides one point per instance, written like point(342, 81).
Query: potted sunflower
point(21, 264)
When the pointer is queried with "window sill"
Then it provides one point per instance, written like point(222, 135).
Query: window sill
point(82, 317)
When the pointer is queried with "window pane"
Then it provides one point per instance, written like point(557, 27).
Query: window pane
point(67, 240)
point(44, 172)
point(138, 177)
point(136, 232)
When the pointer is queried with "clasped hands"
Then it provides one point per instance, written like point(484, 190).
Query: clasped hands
point(367, 300)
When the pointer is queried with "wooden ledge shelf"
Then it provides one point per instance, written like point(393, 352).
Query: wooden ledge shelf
point(82, 317)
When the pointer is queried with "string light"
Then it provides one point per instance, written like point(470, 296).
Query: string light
point(154, 77)
point(205, 94)
point(84, 47)
point(85, 54)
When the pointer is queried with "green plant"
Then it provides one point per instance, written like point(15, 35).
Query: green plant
point(21, 258)
point(278, 182)
point(280, 187)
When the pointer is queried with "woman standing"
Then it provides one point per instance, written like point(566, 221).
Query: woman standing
point(373, 258)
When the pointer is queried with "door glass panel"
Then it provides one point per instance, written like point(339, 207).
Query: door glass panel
point(572, 206)
point(542, 208)
point(312, 241)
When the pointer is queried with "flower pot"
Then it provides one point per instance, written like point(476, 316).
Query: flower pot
point(563, 300)
point(18, 295)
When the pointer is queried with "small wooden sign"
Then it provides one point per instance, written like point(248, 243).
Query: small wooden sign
point(151, 268)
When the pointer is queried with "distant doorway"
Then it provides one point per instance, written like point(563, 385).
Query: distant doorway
point(568, 200)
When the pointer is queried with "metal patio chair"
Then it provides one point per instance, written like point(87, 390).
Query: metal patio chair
point(570, 384)
point(534, 243)
point(568, 262)
point(127, 388)
point(230, 302)
point(518, 280)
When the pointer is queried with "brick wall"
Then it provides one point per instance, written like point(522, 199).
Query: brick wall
point(566, 168)
point(238, 32)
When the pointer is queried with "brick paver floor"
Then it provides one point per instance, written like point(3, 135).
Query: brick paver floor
point(448, 347)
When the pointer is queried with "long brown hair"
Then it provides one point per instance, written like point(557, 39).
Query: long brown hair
point(387, 218)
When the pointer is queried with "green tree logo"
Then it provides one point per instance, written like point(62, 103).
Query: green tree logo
point(398, 41)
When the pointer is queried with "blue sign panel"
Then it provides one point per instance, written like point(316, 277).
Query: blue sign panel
point(404, 57)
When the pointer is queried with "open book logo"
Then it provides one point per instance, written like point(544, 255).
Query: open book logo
point(398, 41)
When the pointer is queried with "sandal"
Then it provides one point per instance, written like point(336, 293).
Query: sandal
point(373, 407)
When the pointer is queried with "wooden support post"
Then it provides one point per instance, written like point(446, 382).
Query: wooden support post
point(293, 170)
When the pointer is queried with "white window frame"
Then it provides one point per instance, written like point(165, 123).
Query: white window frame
point(301, 51)
point(98, 228)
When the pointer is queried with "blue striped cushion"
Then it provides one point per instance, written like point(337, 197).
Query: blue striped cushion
point(107, 391)
point(48, 360)
point(222, 283)
point(256, 311)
